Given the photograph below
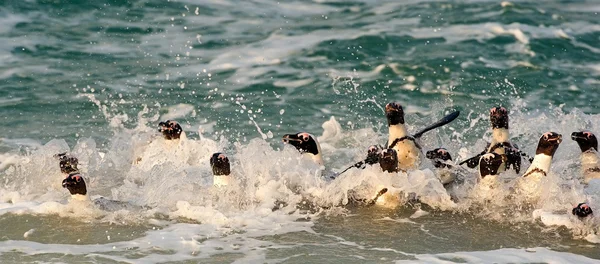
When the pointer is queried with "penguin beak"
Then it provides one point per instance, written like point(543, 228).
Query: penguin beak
point(288, 138)
point(392, 107)
point(162, 126)
point(430, 154)
point(559, 139)
point(577, 135)
point(293, 140)
point(499, 117)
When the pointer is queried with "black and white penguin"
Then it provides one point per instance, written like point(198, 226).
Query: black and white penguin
point(582, 210)
point(68, 164)
point(490, 164)
point(221, 169)
point(501, 140)
point(441, 158)
point(307, 144)
point(407, 149)
point(590, 162)
point(170, 129)
point(75, 183)
point(500, 143)
point(528, 184)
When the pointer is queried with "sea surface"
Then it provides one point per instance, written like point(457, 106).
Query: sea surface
point(94, 78)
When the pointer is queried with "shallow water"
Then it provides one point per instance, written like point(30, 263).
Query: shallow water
point(95, 78)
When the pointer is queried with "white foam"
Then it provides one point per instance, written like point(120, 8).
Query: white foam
point(174, 178)
point(28, 233)
point(531, 255)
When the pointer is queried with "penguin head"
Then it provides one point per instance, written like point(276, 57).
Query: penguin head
point(586, 140)
point(373, 155)
point(388, 160)
point(306, 144)
point(220, 164)
point(582, 210)
point(170, 129)
point(439, 157)
point(489, 164)
point(67, 163)
point(499, 117)
point(75, 184)
point(549, 143)
point(394, 114)
point(303, 142)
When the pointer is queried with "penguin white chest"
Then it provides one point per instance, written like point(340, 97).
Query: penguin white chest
point(222, 180)
point(590, 165)
point(499, 136)
point(529, 184)
point(408, 154)
point(407, 151)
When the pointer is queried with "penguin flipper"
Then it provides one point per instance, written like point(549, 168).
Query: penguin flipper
point(472, 162)
point(513, 159)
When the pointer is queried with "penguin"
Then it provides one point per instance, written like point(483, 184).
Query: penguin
point(170, 129)
point(500, 144)
point(582, 210)
point(306, 144)
point(75, 184)
point(500, 140)
point(590, 162)
point(490, 164)
point(528, 184)
point(221, 169)
point(440, 157)
point(407, 149)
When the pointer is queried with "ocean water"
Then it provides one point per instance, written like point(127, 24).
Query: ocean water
point(94, 78)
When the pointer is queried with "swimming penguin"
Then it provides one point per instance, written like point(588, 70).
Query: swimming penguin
point(170, 129)
point(582, 210)
point(307, 144)
point(500, 139)
point(75, 183)
point(407, 149)
point(500, 143)
point(528, 184)
point(67, 163)
point(221, 169)
point(590, 162)
point(440, 157)
point(490, 164)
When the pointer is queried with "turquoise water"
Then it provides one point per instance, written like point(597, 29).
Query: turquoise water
point(97, 76)
point(298, 57)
